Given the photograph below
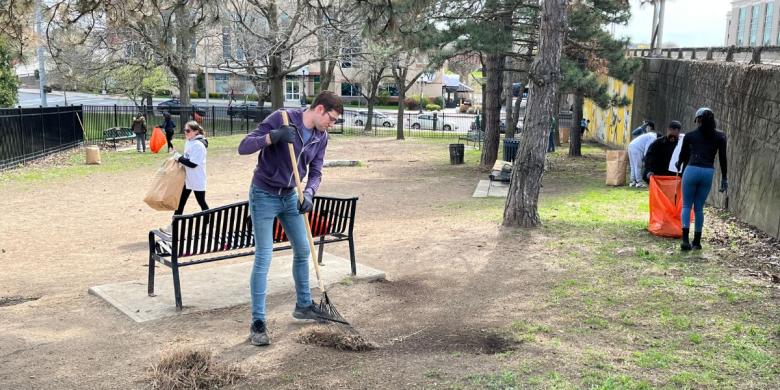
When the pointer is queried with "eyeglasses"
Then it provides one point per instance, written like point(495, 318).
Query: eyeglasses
point(332, 118)
point(189, 131)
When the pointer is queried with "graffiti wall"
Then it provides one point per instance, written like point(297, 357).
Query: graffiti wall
point(611, 126)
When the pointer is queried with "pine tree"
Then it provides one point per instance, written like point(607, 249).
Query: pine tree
point(590, 52)
point(521, 209)
point(9, 83)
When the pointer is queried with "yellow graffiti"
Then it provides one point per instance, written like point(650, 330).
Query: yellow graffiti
point(610, 126)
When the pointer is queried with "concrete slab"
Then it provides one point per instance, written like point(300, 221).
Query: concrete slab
point(487, 188)
point(218, 287)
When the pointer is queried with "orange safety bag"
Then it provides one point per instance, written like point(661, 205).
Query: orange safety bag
point(665, 206)
point(158, 140)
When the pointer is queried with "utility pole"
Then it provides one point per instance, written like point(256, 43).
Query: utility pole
point(206, 72)
point(41, 61)
point(656, 37)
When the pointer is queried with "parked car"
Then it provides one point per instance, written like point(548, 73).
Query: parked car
point(173, 106)
point(425, 121)
point(359, 118)
point(502, 126)
point(249, 111)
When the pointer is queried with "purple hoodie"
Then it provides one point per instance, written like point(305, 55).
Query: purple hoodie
point(274, 169)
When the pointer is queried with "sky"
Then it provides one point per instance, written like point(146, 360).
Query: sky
point(688, 23)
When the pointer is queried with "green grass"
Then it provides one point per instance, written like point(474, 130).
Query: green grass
point(671, 320)
point(111, 161)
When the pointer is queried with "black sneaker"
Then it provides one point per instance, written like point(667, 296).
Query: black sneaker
point(258, 334)
point(309, 313)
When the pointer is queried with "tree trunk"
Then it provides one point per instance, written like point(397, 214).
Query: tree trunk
point(277, 82)
point(516, 112)
point(521, 208)
point(510, 118)
point(494, 65)
point(556, 115)
point(399, 126)
point(183, 82)
point(575, 134)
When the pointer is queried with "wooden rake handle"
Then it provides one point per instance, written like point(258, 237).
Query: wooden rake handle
point(299, 188)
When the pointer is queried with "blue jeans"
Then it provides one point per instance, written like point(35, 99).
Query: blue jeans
point(696, 184)
point(263, 207)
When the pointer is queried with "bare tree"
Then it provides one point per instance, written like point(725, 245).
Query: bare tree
point(368, 69)
point(274, 39)
point(521, 209)
point(161, 31)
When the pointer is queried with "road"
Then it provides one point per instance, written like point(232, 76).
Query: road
point(31, 98)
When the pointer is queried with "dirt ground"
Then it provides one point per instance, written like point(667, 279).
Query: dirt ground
point(452, 279)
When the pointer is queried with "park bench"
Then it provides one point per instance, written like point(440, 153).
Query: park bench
point(226, 232)
point(474, 135)
point(115, 134)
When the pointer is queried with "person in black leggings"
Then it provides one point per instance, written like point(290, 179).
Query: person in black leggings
point(697, 158)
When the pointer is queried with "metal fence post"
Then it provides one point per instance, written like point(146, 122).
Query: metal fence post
point(59, 125)
point(213, 120)
point(43, 131)
point(116, 120)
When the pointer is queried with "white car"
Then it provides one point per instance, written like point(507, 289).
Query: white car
point(425, 121)
point(359, 118)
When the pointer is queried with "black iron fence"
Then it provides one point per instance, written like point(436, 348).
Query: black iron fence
point(30, 133)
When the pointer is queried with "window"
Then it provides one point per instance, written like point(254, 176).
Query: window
point(350, 53)
point(753, 25)
point(292, 89)
point(227, 50)
point(390, 89)
point(348, 89)
point(316, 82)
point(769, 10)
point(221, 81)
point(741, 26)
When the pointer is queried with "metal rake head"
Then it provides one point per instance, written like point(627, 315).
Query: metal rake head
point(329, 312)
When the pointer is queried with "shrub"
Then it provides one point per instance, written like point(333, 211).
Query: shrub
point(438, 101)
point(162, 92)
point(215, 95)
point(194, 94)
point(432, 107)
point(383, 97)
point(463, 108)
point(411, 104)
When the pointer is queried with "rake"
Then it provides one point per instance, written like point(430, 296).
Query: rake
point(325, 305)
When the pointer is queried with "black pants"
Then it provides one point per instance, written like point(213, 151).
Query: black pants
point(169, 137)
point(200, 196)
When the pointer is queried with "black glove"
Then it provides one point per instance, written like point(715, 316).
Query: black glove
point(307, 203)
point(724, 185)
point(283, 134)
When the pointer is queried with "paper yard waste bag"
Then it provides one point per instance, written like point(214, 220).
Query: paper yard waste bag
point(665, 206)
point(93, 154)
point(158, 140)
point(166, 187)
point(617, 162)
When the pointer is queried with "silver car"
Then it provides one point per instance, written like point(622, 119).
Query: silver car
point(425, 121)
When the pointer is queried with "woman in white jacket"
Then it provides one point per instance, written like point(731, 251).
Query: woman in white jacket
point(194, 161)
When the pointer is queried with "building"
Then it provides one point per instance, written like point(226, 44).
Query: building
point(753, 23)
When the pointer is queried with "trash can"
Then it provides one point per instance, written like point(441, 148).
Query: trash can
point(456, 154)
point(510, 148)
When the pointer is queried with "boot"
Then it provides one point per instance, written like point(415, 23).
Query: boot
point(696, 244)
point(686, 245)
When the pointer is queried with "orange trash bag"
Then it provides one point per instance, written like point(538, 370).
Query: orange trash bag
point(665, 206)
point(158, 140)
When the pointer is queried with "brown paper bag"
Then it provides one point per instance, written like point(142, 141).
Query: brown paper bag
point(93, 154)
point(617, 163)
point(166, 187)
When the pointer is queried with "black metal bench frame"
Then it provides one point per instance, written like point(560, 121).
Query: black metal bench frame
point(474, 135)
point(114, 134)
point(230, 230)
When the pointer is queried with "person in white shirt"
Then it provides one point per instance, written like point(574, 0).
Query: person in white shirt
point(194, 161)
point(636, 155)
